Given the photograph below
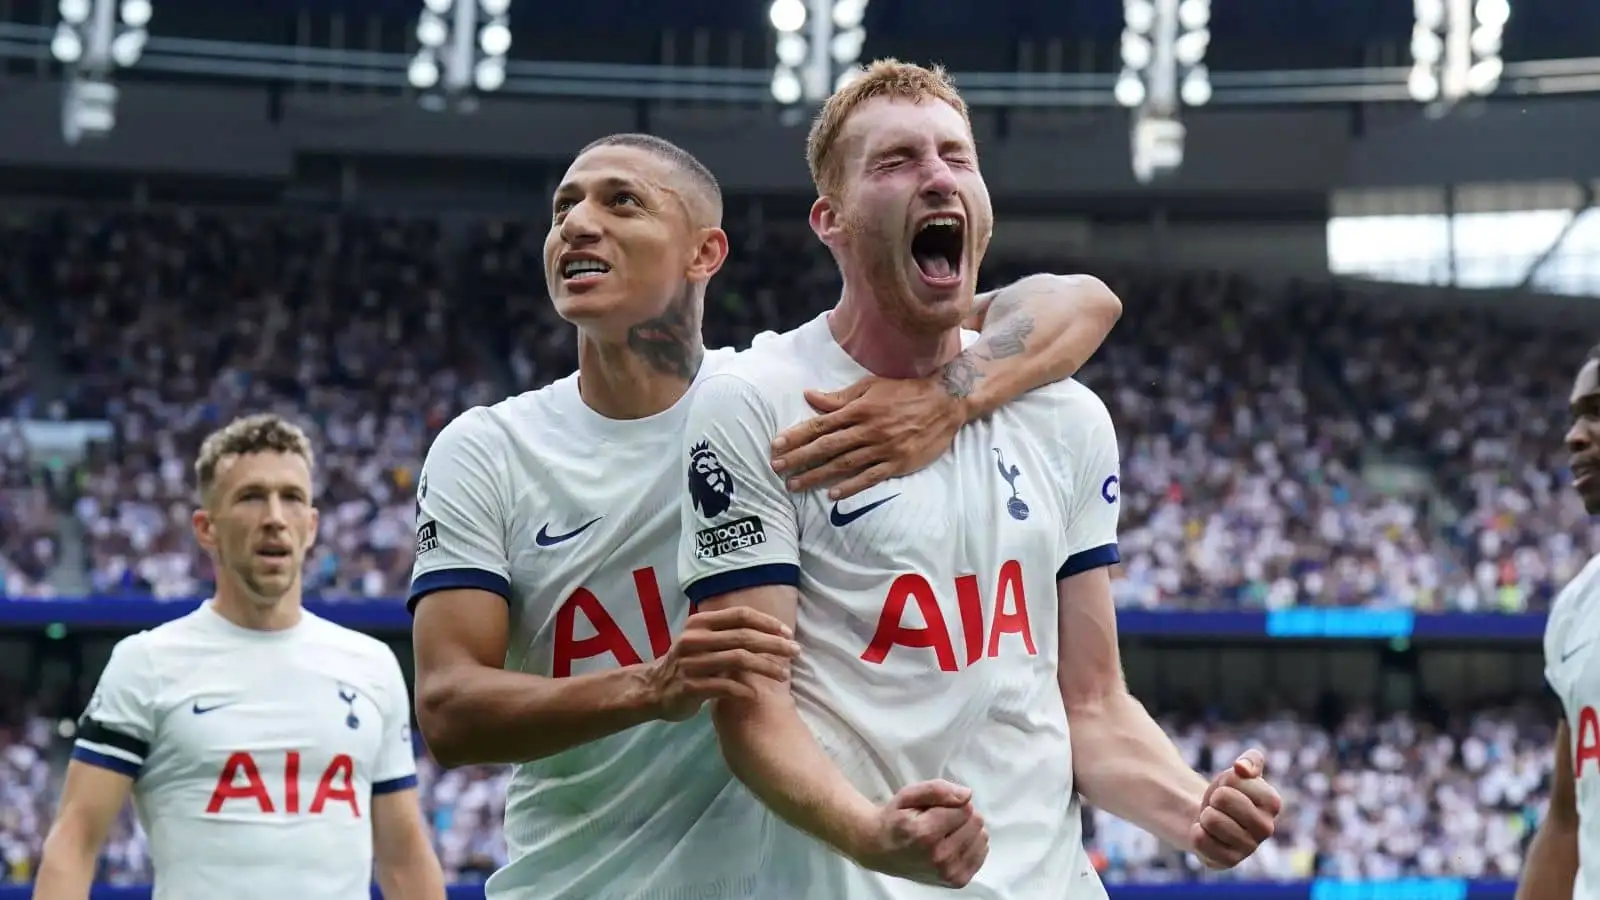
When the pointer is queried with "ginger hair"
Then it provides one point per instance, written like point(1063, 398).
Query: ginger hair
point(889, 78)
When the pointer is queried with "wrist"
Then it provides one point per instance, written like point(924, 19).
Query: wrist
point(647, 694)
point(1191, 805)
point(856, 830)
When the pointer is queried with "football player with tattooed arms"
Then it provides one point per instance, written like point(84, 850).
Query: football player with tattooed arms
point(550, 632)
point(954, 620)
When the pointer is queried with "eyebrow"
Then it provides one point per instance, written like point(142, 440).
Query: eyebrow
point(904, 144)
point(609, 183)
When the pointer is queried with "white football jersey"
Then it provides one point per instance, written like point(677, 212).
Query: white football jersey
point(573, 518)
point(1573, 669)
point(928, 614)
point(254, 754)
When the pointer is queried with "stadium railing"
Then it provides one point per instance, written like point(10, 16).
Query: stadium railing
point(389, 615)
point(1411, 889)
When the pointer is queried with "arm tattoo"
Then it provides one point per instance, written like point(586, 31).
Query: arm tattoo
point(959, 375)
point(670, 343)
point(1008, 337)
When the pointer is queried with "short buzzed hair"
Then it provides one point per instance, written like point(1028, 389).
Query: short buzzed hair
point(679, 158)
point(889, 78)
point(261, 433)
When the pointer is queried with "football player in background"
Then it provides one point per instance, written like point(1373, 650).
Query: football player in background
point(952, 622)
point(1564, 858)
point(549, 629)
point(268, 751)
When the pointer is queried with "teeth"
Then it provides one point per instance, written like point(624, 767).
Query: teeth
point(950, 221)
point(581, 266)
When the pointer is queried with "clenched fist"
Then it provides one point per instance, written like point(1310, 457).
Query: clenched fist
point(927, 832)
point(1239, 811)
point(720, 654)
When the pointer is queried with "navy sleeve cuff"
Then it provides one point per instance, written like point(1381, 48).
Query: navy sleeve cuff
point(403, 783)
point(1092, 558)
point(105, 761)
point(455, 579)
point(741, 579)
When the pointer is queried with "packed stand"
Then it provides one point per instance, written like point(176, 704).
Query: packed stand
point(28, 524)
point(1247, 414)
point(1482, 405)
point(1365, 798)
point(180, 321)
point(1246, 461)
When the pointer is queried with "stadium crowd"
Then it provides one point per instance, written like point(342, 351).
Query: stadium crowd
point(1365, 797)
point(1251, 415)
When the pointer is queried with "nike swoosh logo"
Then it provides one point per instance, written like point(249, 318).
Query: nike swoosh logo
point(838, 518)
point(1568, 654)
point(545, 539)
point(202, 710)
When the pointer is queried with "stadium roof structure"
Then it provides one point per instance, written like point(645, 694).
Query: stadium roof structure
point(966, 35)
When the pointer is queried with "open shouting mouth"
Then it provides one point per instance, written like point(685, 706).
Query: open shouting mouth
point(939, 247)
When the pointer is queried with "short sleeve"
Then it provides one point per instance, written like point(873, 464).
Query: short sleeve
point(118, 726)
point(740, 528)
point(461, 519)
point(396, 768)
point(1562, 639)
point(1096, 497)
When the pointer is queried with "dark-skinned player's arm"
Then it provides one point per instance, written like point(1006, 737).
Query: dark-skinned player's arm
point(740, 550)
point(108, 754)
point(1551, 867)
point(1122, 761)
point(1035, 332)
point(469, 707)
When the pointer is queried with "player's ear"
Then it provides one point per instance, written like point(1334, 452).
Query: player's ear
point(710, 253)
point(825, 220)
point(311, 533)
point(205, 530)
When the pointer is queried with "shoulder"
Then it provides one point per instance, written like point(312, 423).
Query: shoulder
point(751, 380)
point(363, 646)
point(367, 658)
point(494, 427)
point(136, 655)
point(141, 661)
point(1579, 593)
point(1069, 409)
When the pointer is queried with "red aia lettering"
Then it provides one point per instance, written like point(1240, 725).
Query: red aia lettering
point(1588, 740)
point(608, 637)
point(969, 604)
point(337, 785)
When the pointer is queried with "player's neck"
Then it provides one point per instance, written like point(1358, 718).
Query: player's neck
point(619, 381)
point(231, 605)
point(882, 348)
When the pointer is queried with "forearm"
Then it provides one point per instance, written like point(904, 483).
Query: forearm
point(773, 752)
point(66, 868)
point(1035, 332)
point(415, 878)
point(1123, 763)
point(480, 715)
point(1552, 864)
